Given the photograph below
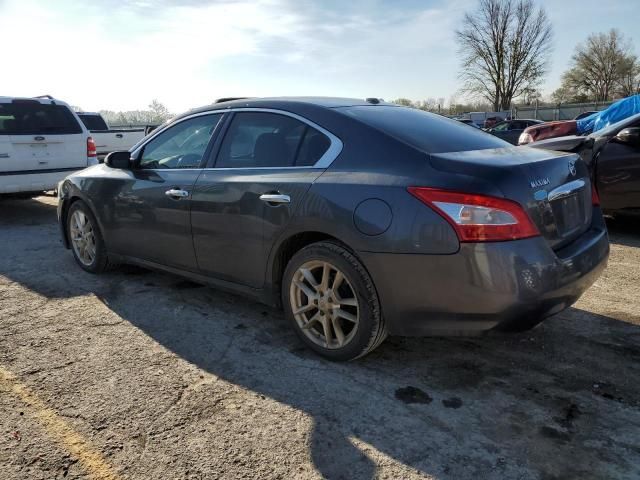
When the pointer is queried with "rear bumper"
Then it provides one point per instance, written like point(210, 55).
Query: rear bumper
point(33, 181)
point(486, 286)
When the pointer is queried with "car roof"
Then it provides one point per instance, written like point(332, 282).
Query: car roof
point(45, 100)
point(288, 103)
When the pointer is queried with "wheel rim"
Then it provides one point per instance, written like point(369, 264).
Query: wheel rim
point(82, 237)
point(324, 304)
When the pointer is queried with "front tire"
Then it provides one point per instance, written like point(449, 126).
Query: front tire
point(85, 239)
point(331, 301)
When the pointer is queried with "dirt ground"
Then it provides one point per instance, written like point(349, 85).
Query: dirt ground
point(135, 374)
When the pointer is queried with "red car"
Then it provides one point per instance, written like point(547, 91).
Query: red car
point(548, 130)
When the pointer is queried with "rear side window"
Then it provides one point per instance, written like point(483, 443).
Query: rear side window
point(256, 139)
point(427, 131)
point(94, 122)
point(34, 118)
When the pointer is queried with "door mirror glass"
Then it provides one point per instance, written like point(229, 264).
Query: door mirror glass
point(120, 159)
point(629, 136)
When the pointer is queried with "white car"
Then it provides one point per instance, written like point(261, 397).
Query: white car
point(42, 141)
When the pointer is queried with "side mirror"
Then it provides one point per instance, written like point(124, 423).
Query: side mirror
point(120, 159)
point(629, 136)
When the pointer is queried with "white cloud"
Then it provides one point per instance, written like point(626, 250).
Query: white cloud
point(119, 55)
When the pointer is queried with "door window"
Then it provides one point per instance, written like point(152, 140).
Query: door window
point(180, 146)
point(501, 127)
point(257, 139)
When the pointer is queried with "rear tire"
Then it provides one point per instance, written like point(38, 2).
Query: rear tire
point(331, 301)
point(86, 239)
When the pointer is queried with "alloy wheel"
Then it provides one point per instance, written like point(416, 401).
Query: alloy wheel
point(82, 237)
point(324, 304)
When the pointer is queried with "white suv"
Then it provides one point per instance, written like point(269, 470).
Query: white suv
point(42, 141)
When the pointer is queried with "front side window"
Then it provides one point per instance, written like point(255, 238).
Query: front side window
point(180, 146)
point(257, 140)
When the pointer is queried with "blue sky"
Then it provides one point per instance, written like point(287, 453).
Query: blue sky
point(114, 54)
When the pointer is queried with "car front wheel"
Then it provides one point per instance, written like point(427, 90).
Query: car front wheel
point(332, 303)
point(85, 238)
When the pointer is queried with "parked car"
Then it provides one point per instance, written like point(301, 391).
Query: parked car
point(491, 122)
point(41, 141)
point(510, 130)
point(479, 117)
point(616, 112)
point(110, 140)
point(360, 219)
point(586, 114)
point(467, 121)
point(545, 130)
point(613, 155)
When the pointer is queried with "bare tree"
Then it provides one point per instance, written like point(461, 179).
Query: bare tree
point(405, 102)
point(598, 65)
point(505, 46)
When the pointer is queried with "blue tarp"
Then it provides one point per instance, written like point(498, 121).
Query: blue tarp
point(617, 111)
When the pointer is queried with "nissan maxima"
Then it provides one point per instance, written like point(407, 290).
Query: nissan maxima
point(359, 218)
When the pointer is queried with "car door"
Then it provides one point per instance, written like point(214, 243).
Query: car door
point(618, 174)
point(261, 170)
point(149, 217)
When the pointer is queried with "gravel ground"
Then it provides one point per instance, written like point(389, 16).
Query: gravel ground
point(135, 374)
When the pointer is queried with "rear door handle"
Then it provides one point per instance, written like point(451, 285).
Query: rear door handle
point(118, 135)
point(275, 198)
point(4, 155)
point(176, 193)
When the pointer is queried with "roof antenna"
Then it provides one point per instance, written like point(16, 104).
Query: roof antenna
point(372, 100)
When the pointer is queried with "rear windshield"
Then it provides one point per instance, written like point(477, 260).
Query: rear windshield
point(93, 122)
point(34, 118)
point(427, 131)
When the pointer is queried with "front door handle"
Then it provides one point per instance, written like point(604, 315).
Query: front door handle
point(176, 193)
point(275, 198)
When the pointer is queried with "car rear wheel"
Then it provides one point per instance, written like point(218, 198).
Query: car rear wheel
point(332, 303)
point(85, 239)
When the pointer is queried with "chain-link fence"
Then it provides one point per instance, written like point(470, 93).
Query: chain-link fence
point(568, 111)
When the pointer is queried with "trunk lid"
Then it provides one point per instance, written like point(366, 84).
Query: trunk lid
point(554, 188)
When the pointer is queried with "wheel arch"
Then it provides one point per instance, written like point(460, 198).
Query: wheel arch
point(286, 249)
point(64, 212)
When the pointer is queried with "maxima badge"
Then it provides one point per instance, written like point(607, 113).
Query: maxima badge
point(539, 182)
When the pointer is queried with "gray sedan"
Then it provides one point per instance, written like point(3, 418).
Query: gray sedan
point(359, 218)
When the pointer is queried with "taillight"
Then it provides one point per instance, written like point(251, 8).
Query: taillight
point(478, 218)
point(91, 148)
point(525, 138)
point(595, 198)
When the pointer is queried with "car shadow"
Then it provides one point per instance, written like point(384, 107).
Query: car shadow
point(487, 407)
point(624, 230)
point(560, 401)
